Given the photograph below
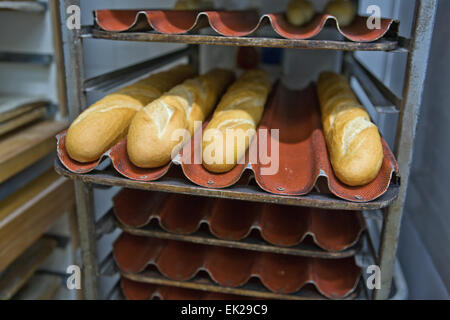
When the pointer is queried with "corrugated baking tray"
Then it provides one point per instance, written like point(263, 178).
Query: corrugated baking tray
point(282, 274)
point(133, 290)
point(254, 288)
point(234, 23)
point(303, 156)
point(284, 226)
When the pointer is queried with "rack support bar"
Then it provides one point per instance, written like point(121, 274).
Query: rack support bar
point(412, 99)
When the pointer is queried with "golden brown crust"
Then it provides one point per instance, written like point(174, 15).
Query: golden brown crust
point(106, 122)
point(343, 10)
point(353, 141)
point(158, 129)
point(228, 135)
point(300, 12)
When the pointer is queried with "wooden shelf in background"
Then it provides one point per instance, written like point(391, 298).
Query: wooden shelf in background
point(23, 119)
point(40, 287)
point(21, 270)
point(12, 106)
point(18, 150)
point(30, 212)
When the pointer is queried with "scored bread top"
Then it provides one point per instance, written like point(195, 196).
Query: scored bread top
point(353, 141)
point(106, 122)
point(157, 131)
point(228, 135)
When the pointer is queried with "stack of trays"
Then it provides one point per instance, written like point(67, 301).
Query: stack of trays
point(216, 248)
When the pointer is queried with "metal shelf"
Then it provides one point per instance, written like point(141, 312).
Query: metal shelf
point(249, 243)
point(251, 289)
point(29, 58)
point(119, 77)
point(249, 193)
point(380, 45)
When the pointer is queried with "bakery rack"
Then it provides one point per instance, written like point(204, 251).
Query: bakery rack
point(389, 208)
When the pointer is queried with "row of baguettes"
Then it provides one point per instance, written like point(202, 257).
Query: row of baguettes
point(106, 122)
point(155, 134)
point(157, 127)
point(301, 12)
point(353, 141)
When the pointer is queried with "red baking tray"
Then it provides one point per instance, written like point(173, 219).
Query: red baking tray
point(182, 261)
point(133, 290)
point(303, 156)
point(285, 226)
point(234, 23)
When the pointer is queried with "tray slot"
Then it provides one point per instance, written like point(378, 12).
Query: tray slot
point(29, 58)
point(133, 290)
point(271, 228)
point(381, 97)
point(380, 45)
point(249, 193)
point(235, 268)
point(116, 78)
point(252, 289)
point(305, 250)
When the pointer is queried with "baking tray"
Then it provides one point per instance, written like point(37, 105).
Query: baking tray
point(233, 220)
point(133, 290)
point(304, 164)
point(235, 24)
point(181, 261)
point(253, 288)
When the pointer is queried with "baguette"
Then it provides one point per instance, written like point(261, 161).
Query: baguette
point(153, 135)
point(353, 141)
point(299, 12)
point(343, 10)
point(228, 135)
point(106, 122)
point(193, 5)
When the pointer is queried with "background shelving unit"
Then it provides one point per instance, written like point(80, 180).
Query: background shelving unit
point(35, 203)
point(382, 98)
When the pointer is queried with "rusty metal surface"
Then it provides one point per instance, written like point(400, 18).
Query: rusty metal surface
point(234, 23)
point(384, 44)
point(133, 290)
point(254, 243)
point(284, 226)
point(248, 192)
point(253, 288)
point(334, 279)
point(303, 156)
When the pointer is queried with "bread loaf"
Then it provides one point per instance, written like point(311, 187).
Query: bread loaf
point(299, 12)
point(228, 135)
point(343, 10)
point(106, 122)
point(353, 141)
point(154, 134)
point(193, 5)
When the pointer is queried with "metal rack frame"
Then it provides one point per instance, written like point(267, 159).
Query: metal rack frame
point(408, 108)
